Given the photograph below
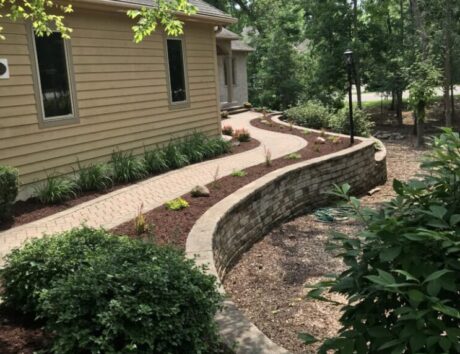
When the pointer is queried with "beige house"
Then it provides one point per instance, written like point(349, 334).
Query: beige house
point(80, 99)
point(232, 59)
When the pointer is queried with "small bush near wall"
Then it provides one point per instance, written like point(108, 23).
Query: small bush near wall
point(103, 294)
point(127, 167)
point(403, 276)
point(315, 116)
point(55, 189)
point(312, 115)
point(9, 186)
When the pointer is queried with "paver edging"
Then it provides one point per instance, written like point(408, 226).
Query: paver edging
point(227, 230)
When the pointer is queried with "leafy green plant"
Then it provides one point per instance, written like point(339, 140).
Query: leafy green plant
point(101, 293)
point(9, 187)
point(293, 156)
point(156, 161)
point(175, 158)
point(340, 122)
point(216, 147)
point(94, 177)
point(193, 147)
point(227, 130)
point(403, 275)
point(239, 173)
point(312, 115)
point(55, 189)
point(242, 135)
point(127, 168)
point(177, 204)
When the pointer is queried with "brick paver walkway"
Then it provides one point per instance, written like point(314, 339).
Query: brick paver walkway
point(122, 205)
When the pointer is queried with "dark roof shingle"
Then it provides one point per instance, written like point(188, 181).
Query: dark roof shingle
point(203, 7)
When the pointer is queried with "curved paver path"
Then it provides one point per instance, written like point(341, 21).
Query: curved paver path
point(122, 205)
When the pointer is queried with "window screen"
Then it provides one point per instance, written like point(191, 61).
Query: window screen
point(54, 77)
point(176, 70)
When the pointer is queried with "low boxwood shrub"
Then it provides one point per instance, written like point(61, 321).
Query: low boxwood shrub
point(403, 271)
point(9, 187)
point(127, 167)
point(311, 115)
point(94, 177)
point(98, 293)
point(55, 189)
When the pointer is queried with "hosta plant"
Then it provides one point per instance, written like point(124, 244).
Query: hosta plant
point(403, 275)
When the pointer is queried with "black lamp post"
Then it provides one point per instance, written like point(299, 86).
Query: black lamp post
point(350, 68)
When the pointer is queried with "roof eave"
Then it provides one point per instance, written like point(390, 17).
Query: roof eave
point(216, 20)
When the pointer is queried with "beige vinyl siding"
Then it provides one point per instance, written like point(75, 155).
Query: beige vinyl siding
point(122, 95)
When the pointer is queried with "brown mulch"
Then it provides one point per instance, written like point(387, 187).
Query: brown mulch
point(31, 210)
point(167, 227)
point(268, 284)
point(172, 227)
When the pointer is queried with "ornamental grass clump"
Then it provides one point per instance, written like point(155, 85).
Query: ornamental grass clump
point(9, 187)
point(94, 177)
point(55, 189)
point(156, 161)
point(97, 293)
point(127, 167)
point(403, 271)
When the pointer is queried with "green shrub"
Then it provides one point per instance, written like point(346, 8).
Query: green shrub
point(9, 187)
point(294, 156)
point(193, 147)
point(310, 115)
point(103, 294)
point(177, 204)
point(403, 276)
point(215, 147)
point(56, 189)
point(127, 168)
point(94, 177)
point(175, 158)
point(227, 130)
point(242, 135)
point(155, 161)
point(239, 173)
point(340, 122)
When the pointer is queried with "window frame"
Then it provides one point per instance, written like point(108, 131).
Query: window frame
point(43, 121)
point(179, 104)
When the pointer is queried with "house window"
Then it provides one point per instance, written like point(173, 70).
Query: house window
point(176, 70)
point(56, 100)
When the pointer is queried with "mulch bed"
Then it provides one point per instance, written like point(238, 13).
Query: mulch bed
point(31, 210)
point(172, 227)
point(268, 283)
point(165, 227)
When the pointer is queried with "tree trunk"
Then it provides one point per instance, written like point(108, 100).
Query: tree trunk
point(452, 101)
point(399, 107)
point(447, 63)
point(357, 62)
point(423, 38)
point(393, 101)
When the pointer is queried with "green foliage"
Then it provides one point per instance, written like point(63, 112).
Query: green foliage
point(403, 274)
point(227, 130)
point(177, 204)
point(156, 161)
point(175, 157)
point(239, 173)
point(127, 168)
point(9, 187)
point(163, 13)
point(94, 177)
point(315, 116)
point(340, 122)
point(43, 15)
point(101, 293)
point(242, 135)
point(55, 189)
point(293, 156)
point(312, 114)
point(215, 147)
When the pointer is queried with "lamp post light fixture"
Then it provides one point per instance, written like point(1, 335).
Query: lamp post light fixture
point(350, 68)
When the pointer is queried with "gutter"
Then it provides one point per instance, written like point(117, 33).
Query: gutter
point(217, 20)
